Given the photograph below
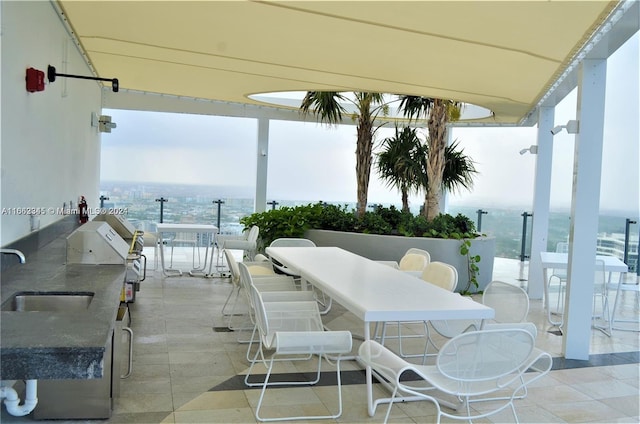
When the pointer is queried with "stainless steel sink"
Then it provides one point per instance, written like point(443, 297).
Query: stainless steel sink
point(48, 301)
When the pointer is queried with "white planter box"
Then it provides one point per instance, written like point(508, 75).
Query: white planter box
point(392, 248)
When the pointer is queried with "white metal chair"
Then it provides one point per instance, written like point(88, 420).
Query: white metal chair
point(151, 239)
point(441, 274)
point(257, 269)
point(189, 239)
point(437, 273)
point(473, 366)
point(557, 284)
point(510, 302)
point(247, 242)
point(601, 311)
point(414, 261)
point(323, 300)
point(278, 288)
point(289, 242)
point(292, 329)
point(511, 306)
point(622, 288)
point(415, 250)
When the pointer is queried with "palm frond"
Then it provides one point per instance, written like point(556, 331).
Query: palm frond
point(325, 105)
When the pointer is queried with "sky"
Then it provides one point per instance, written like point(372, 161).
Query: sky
point(312, 162)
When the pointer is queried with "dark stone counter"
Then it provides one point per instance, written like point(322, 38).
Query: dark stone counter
point(58, 345)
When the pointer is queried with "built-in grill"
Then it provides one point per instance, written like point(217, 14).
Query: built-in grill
point(124, 228)
point(136, 260)
point(96, 243)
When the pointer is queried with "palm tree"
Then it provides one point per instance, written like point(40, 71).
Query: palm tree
point(328, 109)
point(459, 169)
point(403, 164)
point(439, 112)
point(400, 162)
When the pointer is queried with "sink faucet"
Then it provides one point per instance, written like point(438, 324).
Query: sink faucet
point(16, 252)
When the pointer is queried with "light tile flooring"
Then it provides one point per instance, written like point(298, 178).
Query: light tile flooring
point(184, 371)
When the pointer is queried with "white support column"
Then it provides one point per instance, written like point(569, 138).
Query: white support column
point(541, 200)
point(585, 205)
point(262, 161)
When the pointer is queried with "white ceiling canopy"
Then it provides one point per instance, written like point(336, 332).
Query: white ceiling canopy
point(502, 56)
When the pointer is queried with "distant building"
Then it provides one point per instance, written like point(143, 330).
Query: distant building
point(614, 245)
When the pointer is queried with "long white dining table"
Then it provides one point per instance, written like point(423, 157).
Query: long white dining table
point(165, 228)
point(557, 260)
point(375, 292)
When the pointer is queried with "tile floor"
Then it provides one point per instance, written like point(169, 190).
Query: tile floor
point(185, 370)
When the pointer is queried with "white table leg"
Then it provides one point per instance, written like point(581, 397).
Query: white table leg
point(370, 405)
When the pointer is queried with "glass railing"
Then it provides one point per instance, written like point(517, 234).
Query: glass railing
point(511, 228)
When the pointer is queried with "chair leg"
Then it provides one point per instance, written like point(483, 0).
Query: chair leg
point(559, 303)
point(171, 262)
point(606, 318)
point(620, 292)
point(235, 290)
point(393, 396)
point(297, 418)
point(428, 342)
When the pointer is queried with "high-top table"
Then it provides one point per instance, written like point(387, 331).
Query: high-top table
point(375, 292)
point(556, 260)
point(164, 228)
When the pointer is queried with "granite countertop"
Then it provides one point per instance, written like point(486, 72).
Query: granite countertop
point(58, 345)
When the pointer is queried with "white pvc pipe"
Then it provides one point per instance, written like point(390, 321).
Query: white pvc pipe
point(12, 400)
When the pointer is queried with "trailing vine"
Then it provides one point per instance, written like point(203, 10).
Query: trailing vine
point(472, 266)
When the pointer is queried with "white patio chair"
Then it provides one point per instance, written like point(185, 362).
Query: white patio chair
point(278, 288)
point(416, 251)
point(511, 306)
point(258, 269)
point(600, 308)
point(473, 367)
point(557, 284)
point(189, 239)
point(510, 302)
point(601, 319)
point(323, 300)
point(414, 261)
point(247, 242)
point(632, 321)
point(291, 329)
point(289, 242)
point(437, 273)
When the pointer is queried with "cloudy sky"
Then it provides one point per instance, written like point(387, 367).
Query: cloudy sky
point(311, 162)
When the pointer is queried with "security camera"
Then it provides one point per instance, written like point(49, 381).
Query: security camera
point(555, 130)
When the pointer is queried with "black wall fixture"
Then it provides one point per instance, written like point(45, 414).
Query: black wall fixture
point(52, 74)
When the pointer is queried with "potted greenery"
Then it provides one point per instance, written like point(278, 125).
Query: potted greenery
point(385, 234)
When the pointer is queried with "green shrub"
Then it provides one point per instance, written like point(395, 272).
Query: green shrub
point(294, 221)
point(337, 218)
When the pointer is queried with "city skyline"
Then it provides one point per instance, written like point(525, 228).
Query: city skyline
point(194, 204)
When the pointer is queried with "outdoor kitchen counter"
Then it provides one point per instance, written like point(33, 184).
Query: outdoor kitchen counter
point(58, 345)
